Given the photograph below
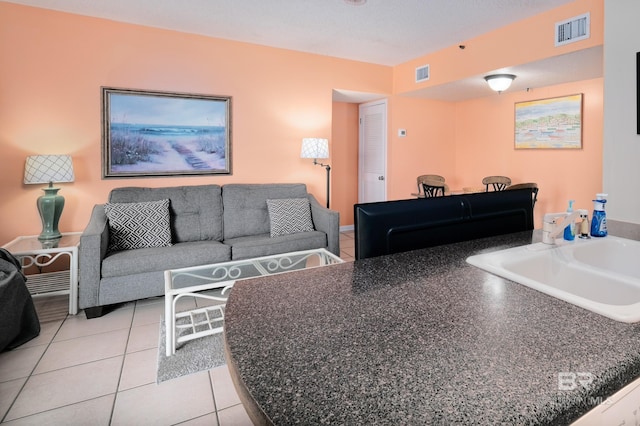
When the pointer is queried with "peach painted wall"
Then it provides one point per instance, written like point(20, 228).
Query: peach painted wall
point(522, 42)
point(55, 64)
point(428, 147)
point(344, 168)
point(485, 146)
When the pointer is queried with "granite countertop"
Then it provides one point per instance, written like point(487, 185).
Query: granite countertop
point(420, 338)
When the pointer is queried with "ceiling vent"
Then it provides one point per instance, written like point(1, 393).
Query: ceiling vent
point(572, 30)
point(422, 73)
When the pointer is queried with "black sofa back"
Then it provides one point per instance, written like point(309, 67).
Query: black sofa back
point(403, 225)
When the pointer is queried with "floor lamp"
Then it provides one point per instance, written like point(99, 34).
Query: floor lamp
point(317, 148)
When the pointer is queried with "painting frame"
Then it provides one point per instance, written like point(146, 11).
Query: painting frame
point(549, 123)
point(148, 133)
point(638, 93)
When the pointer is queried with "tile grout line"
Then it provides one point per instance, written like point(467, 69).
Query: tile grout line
point(32, 370)
point(124, 356)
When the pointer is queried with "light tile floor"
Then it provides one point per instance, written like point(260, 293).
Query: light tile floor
point(103, 372)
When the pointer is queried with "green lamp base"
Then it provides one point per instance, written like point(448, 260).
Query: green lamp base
point(50, 206)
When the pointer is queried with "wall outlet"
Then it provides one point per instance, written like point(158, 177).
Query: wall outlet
point(402, 133)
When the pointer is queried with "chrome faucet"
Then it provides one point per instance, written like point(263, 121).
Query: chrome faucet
point(551, 228)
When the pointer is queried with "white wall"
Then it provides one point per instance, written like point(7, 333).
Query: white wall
point(621, 156)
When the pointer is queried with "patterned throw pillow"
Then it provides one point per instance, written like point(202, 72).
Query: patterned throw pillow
point(138, 225)
point(289, 216)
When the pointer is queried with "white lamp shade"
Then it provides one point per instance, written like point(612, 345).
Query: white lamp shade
point(500, 82)
point(314, 148)
point(48, 168)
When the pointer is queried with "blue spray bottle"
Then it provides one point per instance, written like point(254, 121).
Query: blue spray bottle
point(599, 221)
point(570, 229)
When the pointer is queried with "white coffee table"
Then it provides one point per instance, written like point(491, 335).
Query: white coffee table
point(193, 281)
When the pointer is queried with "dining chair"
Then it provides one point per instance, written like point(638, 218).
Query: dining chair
point(430, 180)
point(497, 183)
point(530, 185)
point(433, 189)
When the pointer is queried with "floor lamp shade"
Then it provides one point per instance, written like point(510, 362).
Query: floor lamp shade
point(49, 169)
point(314, 148)
point(317, 148)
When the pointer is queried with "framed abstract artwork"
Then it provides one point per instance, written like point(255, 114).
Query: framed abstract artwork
point(149, 133)
point(549, 123)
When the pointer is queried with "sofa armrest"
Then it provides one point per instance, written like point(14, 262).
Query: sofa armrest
point(327, 221)
point(94, 242)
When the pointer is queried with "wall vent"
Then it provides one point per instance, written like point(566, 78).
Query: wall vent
point(422, 73)
point(572, 30)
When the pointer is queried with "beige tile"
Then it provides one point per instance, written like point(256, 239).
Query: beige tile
point(19, 362)
point(148, 313)
point(140, 368)
point(210, 419)
point(81, 350)
point(95, 412)
point(59, 388)
point(223, 389)
point(347, 243)
point(346, 235)
point(80, 326)
point(144, 337)
point(170, 402)
point(234, 416)
point(348, 253)
point(8, 393)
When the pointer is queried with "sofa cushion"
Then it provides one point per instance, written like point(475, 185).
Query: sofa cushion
point(138, 225)
point(289, 215)
point(196, 211)
point(264, 245)
point(179, 255)
point(245, 206)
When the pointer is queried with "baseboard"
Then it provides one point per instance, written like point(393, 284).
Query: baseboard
point(346, 228)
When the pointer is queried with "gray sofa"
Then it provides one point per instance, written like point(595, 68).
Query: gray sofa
point(209, 224)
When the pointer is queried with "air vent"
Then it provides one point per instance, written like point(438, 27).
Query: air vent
point(572, 30)
point(422, 73)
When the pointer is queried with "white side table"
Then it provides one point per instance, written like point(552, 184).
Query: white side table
point(33, 252)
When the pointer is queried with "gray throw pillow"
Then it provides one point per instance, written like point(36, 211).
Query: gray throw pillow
point(289, 216)
point(138, 225)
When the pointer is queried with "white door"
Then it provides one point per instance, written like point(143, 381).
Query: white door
point(372, 154)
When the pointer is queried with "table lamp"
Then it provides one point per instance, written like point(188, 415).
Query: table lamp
point(49, 169)
point(317, 148)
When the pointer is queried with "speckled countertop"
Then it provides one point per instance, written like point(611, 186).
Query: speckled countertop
point(420, 338)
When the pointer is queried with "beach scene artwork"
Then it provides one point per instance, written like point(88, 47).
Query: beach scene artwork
point(549, 123)
point(155, 134)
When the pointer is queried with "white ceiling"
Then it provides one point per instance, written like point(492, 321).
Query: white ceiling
point(386, 32)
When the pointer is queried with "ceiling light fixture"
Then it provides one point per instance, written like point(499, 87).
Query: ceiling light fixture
point(500, 82)
point(355, 2)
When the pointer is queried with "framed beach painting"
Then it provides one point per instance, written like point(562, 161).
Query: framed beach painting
point(549, 123)
point(148, 133)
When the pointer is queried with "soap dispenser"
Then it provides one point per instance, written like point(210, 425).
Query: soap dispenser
point(599, 220)
point(570, 229)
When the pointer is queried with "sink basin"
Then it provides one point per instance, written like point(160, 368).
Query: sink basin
point(598, 274)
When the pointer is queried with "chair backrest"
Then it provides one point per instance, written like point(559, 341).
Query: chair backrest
point(530, 185)
point(433, 189)
point(497, 183)
point(433, 180)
